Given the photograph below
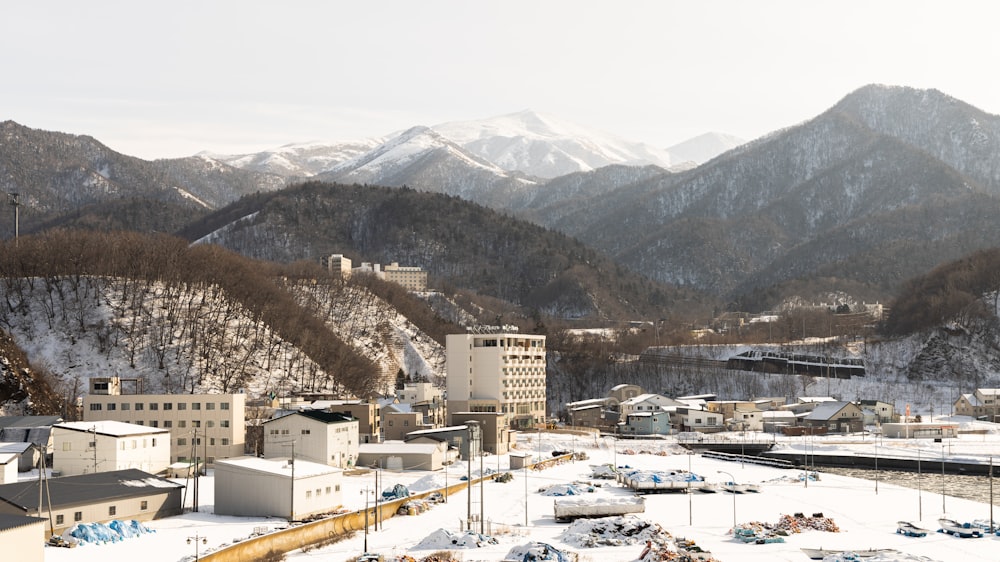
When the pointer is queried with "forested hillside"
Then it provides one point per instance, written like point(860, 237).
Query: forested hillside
point(199, 318)
point(461, 244)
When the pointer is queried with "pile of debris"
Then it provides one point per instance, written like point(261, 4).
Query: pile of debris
point(613, 531)
point(539, 552)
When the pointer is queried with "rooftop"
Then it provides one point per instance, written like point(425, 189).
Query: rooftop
point(112, 428)
point(279, 466)
point(75, 490)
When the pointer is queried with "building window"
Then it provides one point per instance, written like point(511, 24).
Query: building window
point(95, 407)
point(225, 441)
point(329, 489)
point(78, 516)
point(196, 405)
point(154, 423)
point(138, 406)
point(224, 423)
point(67, 446)
point(168, 423)
point(182, 423)
point(111, 406)
point(224, 405)
point(306, 431)
point(59, 519)
point(112, 510)
point(125, 406)
point(182, 406)
point(209, 405)
point(154, 406)
point(309, 493)
point(195, 423)
point(182, 441)
point(210, 423)
point(154, 441)
point(168, 405)
point(144, 505)
point(211, 441)
point(337, 487)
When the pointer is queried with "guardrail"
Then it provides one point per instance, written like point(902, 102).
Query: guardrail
point(322, 530)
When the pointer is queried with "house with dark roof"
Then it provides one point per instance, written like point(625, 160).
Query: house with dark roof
point(319, 436)
point(36, 430)
point(94, 498)
point(23, 537)
point(836, 416)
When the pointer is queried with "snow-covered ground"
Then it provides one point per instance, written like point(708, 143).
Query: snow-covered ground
point(866, 515)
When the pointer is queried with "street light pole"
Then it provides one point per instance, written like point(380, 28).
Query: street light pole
point(733, 480)
point(195, 538)
point(943, 510)
point(920, 499)
point(690, 453)
point(876, 469)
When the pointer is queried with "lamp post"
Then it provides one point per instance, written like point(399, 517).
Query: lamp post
point(366, 491)
point(733, 480)
point(943, 510)
point(876, 469)
point(196, 538)
point(690, 454)
point(920, 499)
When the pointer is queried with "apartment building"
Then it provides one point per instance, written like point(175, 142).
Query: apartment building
point(202, 426)
point(105, 446)
point(498, 372)
point(337, 264)
point(412, 278)
point(319, 436)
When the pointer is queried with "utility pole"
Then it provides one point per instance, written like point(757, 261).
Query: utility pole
point(16, 203)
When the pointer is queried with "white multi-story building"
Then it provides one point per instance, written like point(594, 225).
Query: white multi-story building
point(105, 446)
point(319, 436)
point(201, 426)
point(412, 278)
point(337, 264)
point(500, 372)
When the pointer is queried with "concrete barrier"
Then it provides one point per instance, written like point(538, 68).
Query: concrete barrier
point(323, 530)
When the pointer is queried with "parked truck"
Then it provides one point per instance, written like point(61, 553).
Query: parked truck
point(570, 508)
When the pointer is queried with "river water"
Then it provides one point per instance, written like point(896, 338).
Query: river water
point(932, 484)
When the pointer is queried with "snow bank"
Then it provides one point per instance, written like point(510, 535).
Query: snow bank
point(427, 483)
point(538, 551)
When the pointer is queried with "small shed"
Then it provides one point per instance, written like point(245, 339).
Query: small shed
point(520, 459)
point(399, 455)
point(920, 430)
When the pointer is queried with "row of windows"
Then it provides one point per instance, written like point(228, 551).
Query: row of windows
point(169, 424)
point(181, 441)
point(111, 406)
point(112, 510)
point(319, 491)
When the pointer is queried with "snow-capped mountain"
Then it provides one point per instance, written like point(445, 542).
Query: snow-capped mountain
point(423, 159)
point(703, 148)
point(299, 159)
point(543, 146)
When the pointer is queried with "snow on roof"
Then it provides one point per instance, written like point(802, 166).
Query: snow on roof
point(438, 430)
point(6, 458)
point(279, 466)
point(16, 447)
point(811, 399)
point(778, 414)
point(398, 448)
point(826, 410)
point(643, 398)
point(972, 399)
point(588, 402)
point(112, 428)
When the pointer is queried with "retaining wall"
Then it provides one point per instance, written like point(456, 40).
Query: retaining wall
point(315, 532)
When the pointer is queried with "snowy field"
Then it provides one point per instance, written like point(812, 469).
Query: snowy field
point(517, 513)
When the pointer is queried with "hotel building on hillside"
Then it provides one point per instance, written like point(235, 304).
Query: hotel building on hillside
point(498, 372)
point(202, 426)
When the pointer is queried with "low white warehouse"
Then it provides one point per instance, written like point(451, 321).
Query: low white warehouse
point(258, 487)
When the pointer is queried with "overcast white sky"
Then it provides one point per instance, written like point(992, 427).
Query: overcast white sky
point(166, 79)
